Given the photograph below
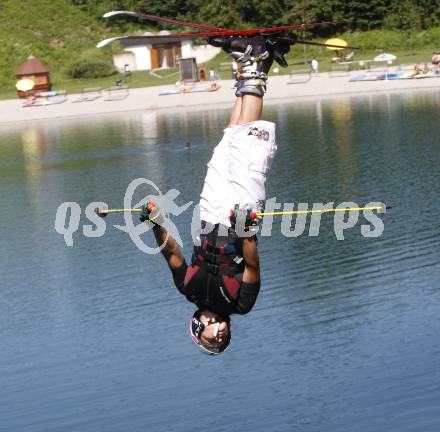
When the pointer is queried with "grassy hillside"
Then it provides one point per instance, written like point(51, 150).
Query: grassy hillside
point(54, 31)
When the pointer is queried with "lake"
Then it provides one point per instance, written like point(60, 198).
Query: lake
point(344, 335)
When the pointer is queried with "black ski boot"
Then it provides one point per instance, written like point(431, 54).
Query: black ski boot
point(279, 48)
point(254, 60)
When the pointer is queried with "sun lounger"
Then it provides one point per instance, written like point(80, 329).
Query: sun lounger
point(189, 88)
point(116, 93)
point(89, 94)
point(299, 76)
point(340, 70)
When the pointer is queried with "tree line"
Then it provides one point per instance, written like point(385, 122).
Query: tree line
point(352, 14)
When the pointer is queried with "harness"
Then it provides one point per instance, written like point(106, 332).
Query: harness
point(219, 255)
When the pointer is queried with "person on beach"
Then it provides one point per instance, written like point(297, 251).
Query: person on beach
point(435, 60)
point(314, 66)
point(212, 75)
point(223, 276)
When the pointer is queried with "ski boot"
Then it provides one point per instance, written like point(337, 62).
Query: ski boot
point(278, 48)
point(253, 58)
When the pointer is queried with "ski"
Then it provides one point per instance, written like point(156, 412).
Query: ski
point(212, 33)
point(211, 28)
point(108, 41)
point(160, 19)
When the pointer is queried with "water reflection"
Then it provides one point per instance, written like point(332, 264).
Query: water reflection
point(35, 142)
point(341, 111)
point(338, 324)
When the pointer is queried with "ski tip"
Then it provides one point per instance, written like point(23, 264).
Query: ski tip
point(106, 42)
point(113, 13)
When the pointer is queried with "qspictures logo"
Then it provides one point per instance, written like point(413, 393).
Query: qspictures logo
point(346, 216)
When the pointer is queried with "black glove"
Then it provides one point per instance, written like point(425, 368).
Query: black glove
point(242, 214)
point(151, 213)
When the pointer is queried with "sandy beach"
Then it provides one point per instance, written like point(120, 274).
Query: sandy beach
point(147, 99)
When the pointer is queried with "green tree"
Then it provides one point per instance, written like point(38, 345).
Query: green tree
point(268, 13)
point(404, 15)
point(219, 14)
point(356, 14)
point(429, 11)
point(365, 15)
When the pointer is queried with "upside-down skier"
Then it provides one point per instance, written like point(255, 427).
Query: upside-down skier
point(223, 276)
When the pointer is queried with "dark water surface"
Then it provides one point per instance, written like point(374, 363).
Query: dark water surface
point(344, 335)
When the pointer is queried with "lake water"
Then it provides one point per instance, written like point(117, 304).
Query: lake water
point(344, 335)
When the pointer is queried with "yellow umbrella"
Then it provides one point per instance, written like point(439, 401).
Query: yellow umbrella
point(25, 84)
point(336, 41)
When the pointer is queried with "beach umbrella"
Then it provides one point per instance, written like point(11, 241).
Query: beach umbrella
point(336, 41)
point(25, 84)
point(385, 57)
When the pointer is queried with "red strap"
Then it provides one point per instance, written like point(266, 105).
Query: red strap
point(232, 285)
point(190, 272)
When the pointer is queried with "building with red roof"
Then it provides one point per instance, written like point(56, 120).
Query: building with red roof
point(36, 71)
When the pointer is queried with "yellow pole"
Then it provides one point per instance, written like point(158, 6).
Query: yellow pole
point(297, 212)
point(119, 210)
point(276, 213)
point(105, 212)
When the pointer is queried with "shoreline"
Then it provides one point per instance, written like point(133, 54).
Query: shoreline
point(148, 99)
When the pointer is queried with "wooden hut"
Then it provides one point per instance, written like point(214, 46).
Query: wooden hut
point(36, 71)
